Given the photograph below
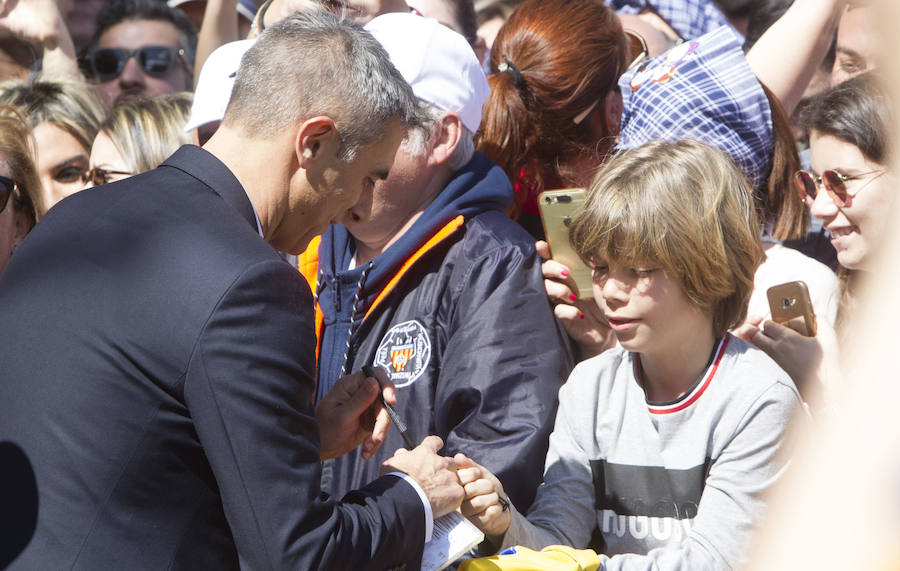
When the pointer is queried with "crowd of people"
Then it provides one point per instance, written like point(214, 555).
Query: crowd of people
point(234, 233)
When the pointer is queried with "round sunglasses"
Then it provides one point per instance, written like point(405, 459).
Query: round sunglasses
point(7, 188)
point(98, 176)
point(835, 184)
point(156, 61)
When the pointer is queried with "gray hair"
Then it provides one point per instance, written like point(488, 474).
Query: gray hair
point(313, 63)
point(419, 140)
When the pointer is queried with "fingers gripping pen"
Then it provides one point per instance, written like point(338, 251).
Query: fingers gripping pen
point(395, 418)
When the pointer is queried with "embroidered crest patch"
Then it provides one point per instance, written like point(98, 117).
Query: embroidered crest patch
point(661, 72)
point(404, 351)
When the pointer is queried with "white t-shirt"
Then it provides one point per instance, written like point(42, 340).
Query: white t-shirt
point(784, 265)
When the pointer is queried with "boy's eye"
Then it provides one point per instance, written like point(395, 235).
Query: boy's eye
point(643, 272)
point(599, 271)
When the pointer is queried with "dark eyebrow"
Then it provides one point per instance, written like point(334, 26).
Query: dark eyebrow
point(70, 160)
point(847, 51)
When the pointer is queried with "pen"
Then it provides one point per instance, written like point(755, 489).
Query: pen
point(395, 418)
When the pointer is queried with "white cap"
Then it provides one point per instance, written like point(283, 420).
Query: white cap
point(245, 8)
point(437, 62)
point(215, 83)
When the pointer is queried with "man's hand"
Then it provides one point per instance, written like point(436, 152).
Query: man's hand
point(351, 414)
point(436, 475)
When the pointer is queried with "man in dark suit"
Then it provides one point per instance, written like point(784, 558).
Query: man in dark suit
point(158, 355)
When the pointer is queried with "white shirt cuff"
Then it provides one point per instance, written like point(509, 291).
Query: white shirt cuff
point(429, 515)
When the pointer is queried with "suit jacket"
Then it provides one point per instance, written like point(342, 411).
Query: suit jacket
point(156, 367)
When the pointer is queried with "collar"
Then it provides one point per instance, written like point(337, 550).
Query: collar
point(208, 169)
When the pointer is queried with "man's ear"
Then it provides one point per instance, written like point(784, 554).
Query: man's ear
point(316, 138)
point(447, 138)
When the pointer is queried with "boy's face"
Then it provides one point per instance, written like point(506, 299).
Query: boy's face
point(646, 308)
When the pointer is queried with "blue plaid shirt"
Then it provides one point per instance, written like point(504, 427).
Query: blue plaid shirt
point(690, 18)
point(702, 90)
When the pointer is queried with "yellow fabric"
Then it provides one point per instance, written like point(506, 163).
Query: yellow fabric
point(551, 558)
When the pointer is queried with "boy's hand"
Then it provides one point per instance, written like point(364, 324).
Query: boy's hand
point(486, 505)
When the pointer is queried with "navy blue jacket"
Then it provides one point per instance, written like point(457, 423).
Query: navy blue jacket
point(455, 310)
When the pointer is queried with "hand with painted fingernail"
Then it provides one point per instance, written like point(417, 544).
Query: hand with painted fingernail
point(581, 318)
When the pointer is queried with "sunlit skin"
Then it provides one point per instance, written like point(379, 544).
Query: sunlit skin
point(107, 156)
point(857, 49)
point(857, 228)
point(61, 160)
point(322, 197)
point(133, 82)
point(650, 315)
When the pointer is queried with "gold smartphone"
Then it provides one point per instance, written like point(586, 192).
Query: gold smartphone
point(790, 306)
point(558, 208)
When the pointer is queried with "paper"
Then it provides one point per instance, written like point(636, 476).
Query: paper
point(453, 536)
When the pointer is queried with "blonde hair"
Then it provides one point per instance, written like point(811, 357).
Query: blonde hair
point(146, 131)
point(17, 155)
point(686, 207)
point(72, 106)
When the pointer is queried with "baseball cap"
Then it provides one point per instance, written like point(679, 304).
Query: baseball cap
point(437, 62)
point(702, 90)
point(246, 8)
point(214, 85)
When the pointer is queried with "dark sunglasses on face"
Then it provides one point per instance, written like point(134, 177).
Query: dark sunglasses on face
point(98, 176)
point(834, 182)
point(156, 61)
point(7, 188)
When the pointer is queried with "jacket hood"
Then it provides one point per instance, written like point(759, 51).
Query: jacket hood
point(478, 187)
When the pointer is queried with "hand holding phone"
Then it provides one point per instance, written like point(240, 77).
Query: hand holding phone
point(558, 208)
point(790, 306)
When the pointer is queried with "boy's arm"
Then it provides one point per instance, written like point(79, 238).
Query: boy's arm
point(555, 518)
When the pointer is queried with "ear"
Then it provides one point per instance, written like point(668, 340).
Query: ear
point(612, 112)
point(23, 226)
point(446, 139)
point(316, 138)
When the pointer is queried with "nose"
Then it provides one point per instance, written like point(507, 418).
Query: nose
point(823, 206)
point(614, 290)
point(132, 75)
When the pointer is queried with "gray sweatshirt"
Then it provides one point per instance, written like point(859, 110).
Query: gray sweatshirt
point(669, 485)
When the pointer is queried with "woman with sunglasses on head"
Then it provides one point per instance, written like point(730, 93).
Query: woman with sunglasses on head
point(137, 137)
point(851, 190)
point(64, 116)
point(19, 182)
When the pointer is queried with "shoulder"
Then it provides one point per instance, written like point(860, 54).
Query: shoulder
point(783, 264)
point(494, 232)
point(750, 376)
point(599, 375)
